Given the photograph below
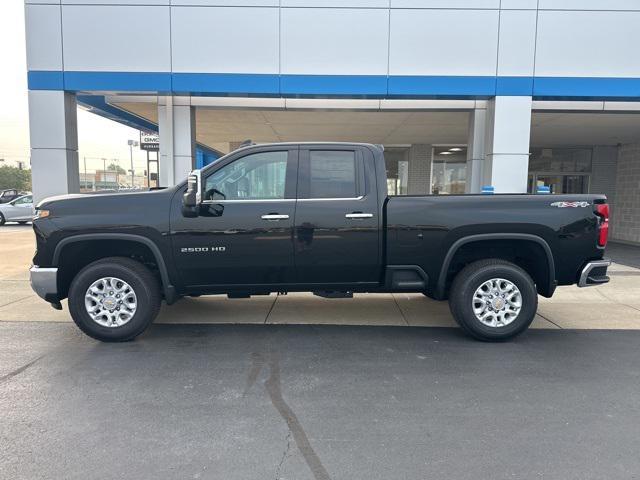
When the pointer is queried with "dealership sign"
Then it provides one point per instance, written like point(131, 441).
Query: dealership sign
point(149, 142)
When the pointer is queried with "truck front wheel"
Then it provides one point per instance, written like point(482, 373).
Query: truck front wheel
point(114, 299)
point(493, 300)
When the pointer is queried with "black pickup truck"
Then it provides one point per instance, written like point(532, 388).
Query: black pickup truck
point(312, 217)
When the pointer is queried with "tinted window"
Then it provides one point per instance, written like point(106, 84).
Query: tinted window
point(258, 176)
point(332, 174)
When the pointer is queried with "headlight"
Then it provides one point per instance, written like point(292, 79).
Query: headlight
point(41, 214)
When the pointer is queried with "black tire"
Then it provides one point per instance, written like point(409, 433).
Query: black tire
point(142, 281)
point(2, 220)
point(470, 278)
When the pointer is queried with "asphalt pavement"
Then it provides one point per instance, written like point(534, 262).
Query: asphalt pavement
point(317, 402)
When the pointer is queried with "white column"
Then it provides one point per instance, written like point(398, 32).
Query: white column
point(176, 124)
point(475, 150)
point(184, 141)
point(53, 128)
point(507, 143)
point(165, 133)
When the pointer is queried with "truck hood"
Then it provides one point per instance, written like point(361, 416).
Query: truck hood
point(74, 198)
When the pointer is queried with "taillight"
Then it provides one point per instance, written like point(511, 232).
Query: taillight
point(602, 210)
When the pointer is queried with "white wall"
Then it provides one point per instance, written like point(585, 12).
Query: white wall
point(588, 43)
point(44, 41)
point(517, 45)
point(224, 39)
point(581, 38)
point(334, 41)
point(443, 42)
point(116, 38)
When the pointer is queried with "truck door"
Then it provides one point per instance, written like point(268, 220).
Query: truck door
point(337, 226)
point(244, 233)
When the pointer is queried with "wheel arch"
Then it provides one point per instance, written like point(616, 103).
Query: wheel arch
point(547, 281)
point(139, 240)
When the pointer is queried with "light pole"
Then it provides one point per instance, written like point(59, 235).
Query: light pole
point(104, 172)
point(132, 143)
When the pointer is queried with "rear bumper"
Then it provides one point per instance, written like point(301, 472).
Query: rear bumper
point(44, 281)
point(594, 273)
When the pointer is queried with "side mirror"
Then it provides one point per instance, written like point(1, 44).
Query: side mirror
point(193, 197)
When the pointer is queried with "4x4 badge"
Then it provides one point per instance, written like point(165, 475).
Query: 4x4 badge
point(570, 204)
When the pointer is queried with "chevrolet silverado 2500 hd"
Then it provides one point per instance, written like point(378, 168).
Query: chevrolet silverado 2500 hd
point(312, 217)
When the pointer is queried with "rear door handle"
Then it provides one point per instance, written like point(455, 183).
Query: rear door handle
point(274, 216)
point(359, 215)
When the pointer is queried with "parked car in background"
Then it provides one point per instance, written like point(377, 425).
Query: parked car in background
point(19, 210)
point(9, 194)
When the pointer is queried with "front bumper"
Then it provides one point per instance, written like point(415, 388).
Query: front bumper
point(594, 273)
point(44, 281)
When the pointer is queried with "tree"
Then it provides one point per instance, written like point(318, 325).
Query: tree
point(114, 167)
point(13, 177)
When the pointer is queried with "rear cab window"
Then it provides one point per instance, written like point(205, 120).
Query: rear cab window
point(326, 174)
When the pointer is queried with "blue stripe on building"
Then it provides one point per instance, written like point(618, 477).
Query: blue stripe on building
point(225, 83)
point(334, 85)
point(361, 86)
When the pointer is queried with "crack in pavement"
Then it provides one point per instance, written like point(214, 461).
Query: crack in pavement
point(19, 370)
point(400, 310)
point(15, 301)
point(274, 389)
point(284, 455)
point(548, 320)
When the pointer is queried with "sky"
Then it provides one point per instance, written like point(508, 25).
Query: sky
point(98, 137)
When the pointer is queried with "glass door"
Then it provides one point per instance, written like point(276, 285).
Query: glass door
point(558, 184)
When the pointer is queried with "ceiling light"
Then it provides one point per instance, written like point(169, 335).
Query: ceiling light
point(445, 153)
point(455, 149)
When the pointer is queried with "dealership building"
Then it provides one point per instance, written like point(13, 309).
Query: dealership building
point(513, 94)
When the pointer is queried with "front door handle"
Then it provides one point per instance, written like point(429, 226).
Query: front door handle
point(274, 216)
point(359, 215)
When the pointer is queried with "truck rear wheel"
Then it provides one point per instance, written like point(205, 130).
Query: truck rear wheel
point(114, 299)
point(493, 300)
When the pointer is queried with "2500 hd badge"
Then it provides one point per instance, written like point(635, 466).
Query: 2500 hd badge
point(202, 249)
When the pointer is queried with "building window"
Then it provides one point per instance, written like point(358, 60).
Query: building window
point(563, 170)
point(397, 164)
point(560, 159)
point(449, 170)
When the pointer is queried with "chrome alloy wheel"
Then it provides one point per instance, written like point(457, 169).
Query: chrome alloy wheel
point(497, 302)
point(110, 302)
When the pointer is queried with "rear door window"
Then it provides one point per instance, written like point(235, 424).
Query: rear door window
point(332, 174)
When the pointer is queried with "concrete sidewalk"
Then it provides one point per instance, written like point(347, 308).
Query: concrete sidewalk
point(612, 306)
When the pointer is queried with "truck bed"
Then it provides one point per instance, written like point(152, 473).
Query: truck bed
point(422, 230)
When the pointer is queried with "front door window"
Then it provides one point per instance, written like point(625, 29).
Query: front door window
point(259, 176)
